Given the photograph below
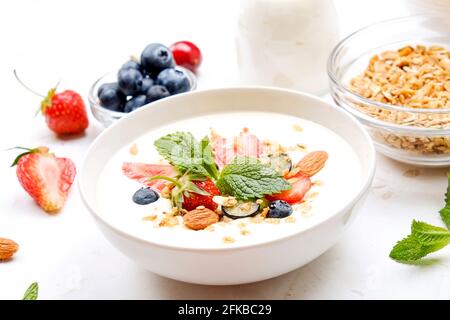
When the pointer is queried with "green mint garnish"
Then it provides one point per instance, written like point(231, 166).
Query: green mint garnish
point(32, 292)
point(423, 240)
point(445, 212)
point(247, 178)
point(186, 154)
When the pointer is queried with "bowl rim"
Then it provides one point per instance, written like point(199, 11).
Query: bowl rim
point(363, 189)
point(92, 95)
point(358, 98)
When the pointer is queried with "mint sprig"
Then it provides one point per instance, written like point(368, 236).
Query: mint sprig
point(32, 292)
point(247, 178)
point(424, 238)
point(445, 212)
point(186, 154)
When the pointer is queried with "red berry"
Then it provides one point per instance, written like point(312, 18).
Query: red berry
point(46, 178)
point(300, 187)
point(195, 200)
point(65, 112)
point(186, 54)
point(142, 172)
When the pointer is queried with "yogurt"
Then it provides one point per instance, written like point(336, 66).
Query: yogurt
point(333, 186)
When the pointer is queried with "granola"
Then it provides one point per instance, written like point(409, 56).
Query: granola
point(410, 77)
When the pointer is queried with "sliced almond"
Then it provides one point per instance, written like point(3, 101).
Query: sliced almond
point(199, 219)
point(7, 248)
point(312, 163)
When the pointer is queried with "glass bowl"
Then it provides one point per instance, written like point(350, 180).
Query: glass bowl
point(419, 136)
point(108, 117)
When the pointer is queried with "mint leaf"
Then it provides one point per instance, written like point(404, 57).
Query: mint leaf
point(208, 159)
point(423, 240)
point(183, 151)
point(247, 178)
point(445, 212)
point(32, 292)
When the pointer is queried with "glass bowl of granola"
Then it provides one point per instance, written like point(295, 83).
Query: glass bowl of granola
point(394, 76)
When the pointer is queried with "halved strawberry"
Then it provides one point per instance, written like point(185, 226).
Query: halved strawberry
point(142, 172)
point(300, 186)
point(46, 178)
point(192, 200)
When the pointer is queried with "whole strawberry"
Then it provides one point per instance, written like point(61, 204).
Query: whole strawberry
point(65, 112)
point(46, 178)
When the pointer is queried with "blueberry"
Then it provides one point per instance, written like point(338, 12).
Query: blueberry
point(111, 97)
point(146, 84)
point(279, 209)
point(176, 81)
point(131, 64)
point(135, 102)
point(130, 81)
point(145, 196)
point(157, 92)
point(155, 58)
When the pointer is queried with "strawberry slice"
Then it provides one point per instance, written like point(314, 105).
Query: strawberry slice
point(46, 178)
point(143, 171)
point(243, 145)
point(247, 145)
point(300, 186)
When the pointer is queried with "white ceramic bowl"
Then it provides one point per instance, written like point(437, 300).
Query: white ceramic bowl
point(239, 263)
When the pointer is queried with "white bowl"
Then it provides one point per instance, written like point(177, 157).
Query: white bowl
point(238, 263)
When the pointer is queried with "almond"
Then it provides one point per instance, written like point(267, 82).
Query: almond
point(312, 163)
point(7, 248)
point(200, 218)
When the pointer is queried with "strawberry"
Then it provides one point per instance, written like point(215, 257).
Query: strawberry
point(46, 178)
point(300, 186)
point(65, 112)
point(142, 172)
point(193, 200)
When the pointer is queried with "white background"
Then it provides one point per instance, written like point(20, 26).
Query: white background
point(76, 42)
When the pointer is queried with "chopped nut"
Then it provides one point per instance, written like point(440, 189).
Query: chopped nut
point(264, 212)
point(272, 220)
point(199, 219)
point(201, 207)
point(296, 127)
point(151, 217)
point(169, 221)
point(225, 201)
point(210, 228)
point(290, 219)
point(245, 232)
point(258, 219)
point(242, 225)
point(259, 201)
point(134, 149)
point(228, 240)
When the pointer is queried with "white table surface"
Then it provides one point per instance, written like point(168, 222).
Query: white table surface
point(76, 41)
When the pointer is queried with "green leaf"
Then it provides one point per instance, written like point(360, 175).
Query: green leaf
point(208, 158)
point(247, 178)
point(183, 152)
point(32, 292)
point(445, 212)
point(423, 240)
